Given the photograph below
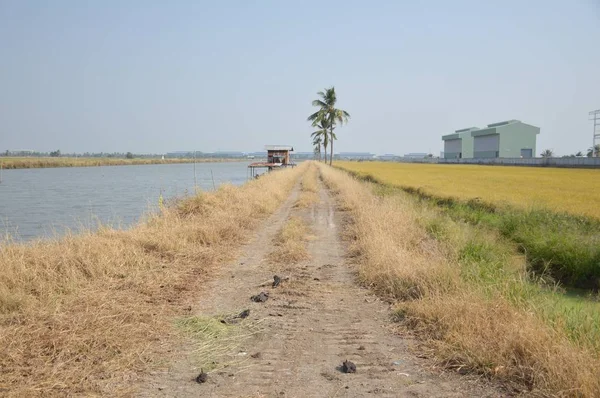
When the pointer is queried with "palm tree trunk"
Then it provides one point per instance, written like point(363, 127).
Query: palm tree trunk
point(325, 153)
point(331, 156)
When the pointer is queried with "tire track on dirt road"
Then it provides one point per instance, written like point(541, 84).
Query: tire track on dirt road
point(310, 324)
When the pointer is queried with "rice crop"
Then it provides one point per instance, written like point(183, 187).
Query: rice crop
point(573, 191)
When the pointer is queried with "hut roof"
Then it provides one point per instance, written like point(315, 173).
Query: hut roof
point(279, 148)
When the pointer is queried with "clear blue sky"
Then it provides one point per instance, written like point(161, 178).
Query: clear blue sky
point(157, 76)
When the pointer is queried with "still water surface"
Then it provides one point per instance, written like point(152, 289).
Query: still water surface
point(41, 203)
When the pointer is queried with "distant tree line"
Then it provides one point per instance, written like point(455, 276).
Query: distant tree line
point(57, 153)
point(591, 153)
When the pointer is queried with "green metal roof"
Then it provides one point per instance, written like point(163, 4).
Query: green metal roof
point(481, 132)
point(498, 124)
point(450, 137)
point(467, 129)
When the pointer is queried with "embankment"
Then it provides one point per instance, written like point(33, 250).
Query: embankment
point(466, 293)
point(87, 314)
point(49, 162)
point(559, 246)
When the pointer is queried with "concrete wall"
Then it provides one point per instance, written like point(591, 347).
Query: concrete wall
point(592, 163)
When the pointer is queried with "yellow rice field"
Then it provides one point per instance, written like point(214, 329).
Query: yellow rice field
point(575, 191)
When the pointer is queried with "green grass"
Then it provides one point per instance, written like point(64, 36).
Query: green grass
point(490, 261)
point(560, 246)
point(497, 250)
point(565, 247)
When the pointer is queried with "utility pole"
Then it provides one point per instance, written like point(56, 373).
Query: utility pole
point(595, 118)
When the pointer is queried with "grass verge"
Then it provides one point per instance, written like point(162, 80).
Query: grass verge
point(562, 246)
point(87, 314)
point(309, 188)
point(290, 243)
point(467, 294)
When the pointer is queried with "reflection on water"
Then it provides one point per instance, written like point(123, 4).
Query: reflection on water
point(44, 202)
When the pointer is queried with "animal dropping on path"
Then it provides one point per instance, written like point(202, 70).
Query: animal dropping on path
point(348, 367)
point(276, 281)
point(236, 318)
point(260, 298)
point(202, 377)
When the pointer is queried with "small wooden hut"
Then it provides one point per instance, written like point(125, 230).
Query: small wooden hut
point(277, 156)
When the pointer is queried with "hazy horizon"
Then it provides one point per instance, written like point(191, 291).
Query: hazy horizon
point(153, 77)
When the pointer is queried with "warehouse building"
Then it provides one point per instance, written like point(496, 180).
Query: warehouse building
point(508, 139)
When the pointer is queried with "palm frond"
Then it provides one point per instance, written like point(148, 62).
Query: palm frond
point(319, 103)
point(330, 97)
point(314, 116)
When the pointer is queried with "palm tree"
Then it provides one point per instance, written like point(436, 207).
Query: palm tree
point(579, 154)
point(547, 153)
point(330, 113)
point(317, 141)
point(323, 133)
point(594, 152)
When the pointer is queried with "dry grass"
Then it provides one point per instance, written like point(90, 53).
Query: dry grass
point(85, 314)
point(290, 243)
point(574, 191)
point(470, 324)
point(216, 343)
point(47, 162)
point(309, 187)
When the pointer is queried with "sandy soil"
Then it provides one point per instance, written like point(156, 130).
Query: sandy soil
point(293, 344)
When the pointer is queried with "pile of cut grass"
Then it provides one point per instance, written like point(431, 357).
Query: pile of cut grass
point(467, 294)
point(213, 339)
point(86, 314)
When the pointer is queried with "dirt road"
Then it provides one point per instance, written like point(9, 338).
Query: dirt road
point(293, 344)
